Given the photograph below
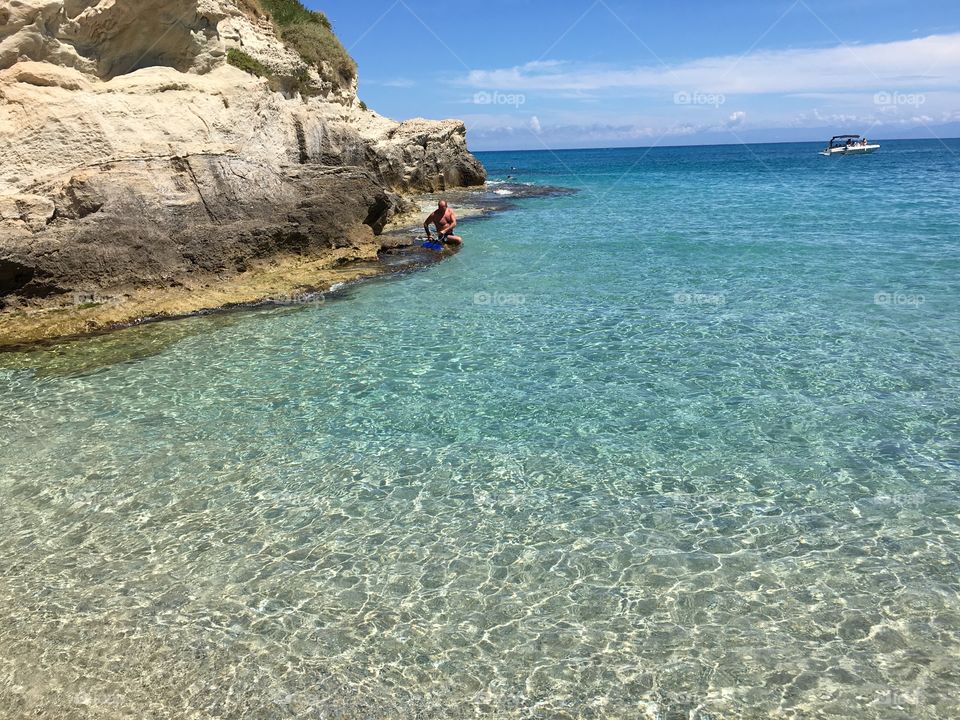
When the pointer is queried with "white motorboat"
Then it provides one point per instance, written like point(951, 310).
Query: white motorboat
point(849, 145)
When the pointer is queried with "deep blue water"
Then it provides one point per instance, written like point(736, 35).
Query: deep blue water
point(685, 443)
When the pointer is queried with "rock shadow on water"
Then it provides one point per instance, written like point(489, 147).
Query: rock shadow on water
point(87, 355)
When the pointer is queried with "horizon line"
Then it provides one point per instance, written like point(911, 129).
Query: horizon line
point(732, 144)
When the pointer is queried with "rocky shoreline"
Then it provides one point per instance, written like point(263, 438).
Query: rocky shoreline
point(144, 172)
point(286, 280)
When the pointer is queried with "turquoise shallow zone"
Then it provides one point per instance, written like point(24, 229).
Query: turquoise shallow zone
point(685, 444)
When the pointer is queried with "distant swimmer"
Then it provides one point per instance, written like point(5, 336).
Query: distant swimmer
point(445, 221)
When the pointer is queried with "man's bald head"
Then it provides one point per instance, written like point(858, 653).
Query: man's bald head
point(442, 204)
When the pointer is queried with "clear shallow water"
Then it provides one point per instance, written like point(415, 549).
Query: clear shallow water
point(656, 449)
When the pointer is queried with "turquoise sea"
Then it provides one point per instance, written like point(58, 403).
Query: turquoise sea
point(683, 444)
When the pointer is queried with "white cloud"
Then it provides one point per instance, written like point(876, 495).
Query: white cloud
point(399, 83)
point(928, 62)
point(489, 127)
point(736, 119)
point(535, 124)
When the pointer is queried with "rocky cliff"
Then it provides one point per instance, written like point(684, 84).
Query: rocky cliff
point(144, 143)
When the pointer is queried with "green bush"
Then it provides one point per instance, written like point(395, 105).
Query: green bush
point(316, 44)
point(308, 33)
point(238, 58)
point(363, 106)
point(291, 12)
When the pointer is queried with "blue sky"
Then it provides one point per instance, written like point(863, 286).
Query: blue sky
point(533, 74)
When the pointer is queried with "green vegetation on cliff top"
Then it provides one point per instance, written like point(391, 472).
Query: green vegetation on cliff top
point(311, 35)
point(292, 12)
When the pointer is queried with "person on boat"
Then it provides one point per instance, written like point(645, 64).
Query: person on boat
point(445, 221)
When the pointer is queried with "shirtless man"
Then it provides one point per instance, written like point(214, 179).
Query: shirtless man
point(445, 221)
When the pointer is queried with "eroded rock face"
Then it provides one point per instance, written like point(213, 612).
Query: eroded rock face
point(211, 214)
point(131, 153)
point(422, 154)
point(112, 37)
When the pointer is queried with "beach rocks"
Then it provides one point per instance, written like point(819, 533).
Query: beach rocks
point(133, 154)
point(425, 155)
point(33, 211)
point(151, 222)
